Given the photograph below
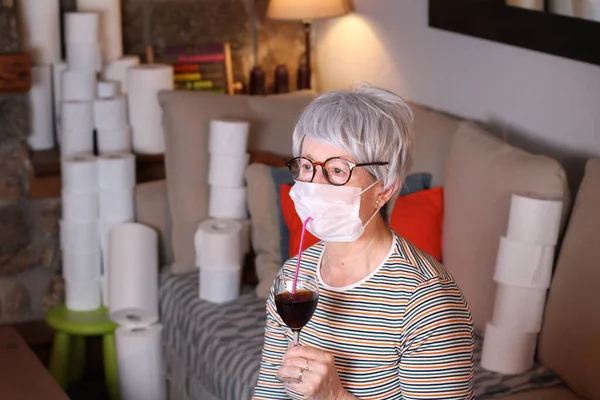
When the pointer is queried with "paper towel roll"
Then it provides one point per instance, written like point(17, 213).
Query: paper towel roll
point(78, 85)
point(107, 89)
point(81, 267)
point(84, 57)
point(227, 170)
point(145, 113)
point(133, 275)
point(40, 103)
point(219, 285)
point(40, 29)
point(227, 203)
point(57, 70)
point(81, 237)
point(81, 27)
point(537, 5)
point(79, 173)
point(228, 136)
point(534, 220)
point(507, 351)
point(114, 141)
point(116, 171)
point(117, 204)
point(79, 206)
point(110, 113)
point(519, 308)
point(214, 241)
point(82, 295)
point(111, 34)
point(141, 369)
point(117, 70)
point(524, 264)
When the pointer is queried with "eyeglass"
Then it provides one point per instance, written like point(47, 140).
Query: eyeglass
point(336, 170)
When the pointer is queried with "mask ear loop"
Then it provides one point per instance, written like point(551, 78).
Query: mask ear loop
point(377, 209)
point(370, 186)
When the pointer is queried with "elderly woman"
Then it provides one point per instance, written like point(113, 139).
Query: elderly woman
point(390, 323)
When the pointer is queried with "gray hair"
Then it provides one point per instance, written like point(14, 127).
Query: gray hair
point(370, 124)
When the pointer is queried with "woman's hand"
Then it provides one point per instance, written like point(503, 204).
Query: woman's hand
point(313, 373)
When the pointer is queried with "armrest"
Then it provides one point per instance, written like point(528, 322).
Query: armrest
point(152, 209)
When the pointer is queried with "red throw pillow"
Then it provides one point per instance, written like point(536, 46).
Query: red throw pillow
point(418, 217)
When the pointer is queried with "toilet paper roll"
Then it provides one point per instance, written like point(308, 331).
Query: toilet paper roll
point(79, 237)
point(76, 142)
point(117, 70)
point(107, 89)
point(77, 116)
point(220, 285)
point(507, 351)
point(133, 275)
point(524, 264)
point(57, 71)
point(110, 114)
point(104, 290)
point(40, 30)
point(41, 109)
point(534, 220)
point(84, 57)
point(214, 241)
point(116, 171)
point(228, 136)
point(519, 308)
point(79, 206)
point(81, 267)
point(145, 113)
point(79, 173)
point(537, 5)
point(82, 295)
point(106, 225)
point(141, 368)
point(562, 7)
point(227, 170)
point(81, 27)
point(590, 9)
point(117, 204)
point(110, 25)
point(78, 85)
point(114, 140)
point(227, 203)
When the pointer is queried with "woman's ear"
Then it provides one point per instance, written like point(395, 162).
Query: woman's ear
point(386, 194)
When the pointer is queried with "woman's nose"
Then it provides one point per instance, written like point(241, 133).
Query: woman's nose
point(319, 176)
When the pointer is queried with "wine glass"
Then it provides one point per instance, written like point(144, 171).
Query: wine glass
point(296, 308)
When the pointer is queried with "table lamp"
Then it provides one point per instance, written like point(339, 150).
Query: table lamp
point(306, 11)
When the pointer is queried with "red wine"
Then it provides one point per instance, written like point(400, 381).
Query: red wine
point(296, 309)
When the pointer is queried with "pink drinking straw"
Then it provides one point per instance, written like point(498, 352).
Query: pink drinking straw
point(299, 255)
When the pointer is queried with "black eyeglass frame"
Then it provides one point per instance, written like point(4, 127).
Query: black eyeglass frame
point(324, 171)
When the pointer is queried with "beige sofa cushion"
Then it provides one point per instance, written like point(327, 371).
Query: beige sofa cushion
point(186, 117)
point(152, 209)
point(557, 393)
point(433, 134)
point(570, 338)
point(481, 175)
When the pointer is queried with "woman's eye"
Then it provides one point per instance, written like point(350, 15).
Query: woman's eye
point(337, 171)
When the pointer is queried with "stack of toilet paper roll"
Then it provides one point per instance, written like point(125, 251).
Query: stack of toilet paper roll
point(523, 273)
point(79, 233)
point(40, 37)
point(222, 241)
point(133, 291)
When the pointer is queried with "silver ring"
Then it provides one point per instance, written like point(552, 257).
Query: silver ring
point(300, 375)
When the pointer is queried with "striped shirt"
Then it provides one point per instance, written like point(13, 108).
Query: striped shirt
point(402, 332)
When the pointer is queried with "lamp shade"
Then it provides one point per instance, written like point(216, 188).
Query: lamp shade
point(307, 9)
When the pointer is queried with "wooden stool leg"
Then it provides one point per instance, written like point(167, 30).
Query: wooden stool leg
point(59, 359)
point(77, 365)
point(109, 349)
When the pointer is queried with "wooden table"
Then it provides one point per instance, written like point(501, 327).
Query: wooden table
point(22, 375)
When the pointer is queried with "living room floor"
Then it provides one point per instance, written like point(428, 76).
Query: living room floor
point(39, 338)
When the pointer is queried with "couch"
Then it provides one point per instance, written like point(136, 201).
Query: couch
point(212, 351)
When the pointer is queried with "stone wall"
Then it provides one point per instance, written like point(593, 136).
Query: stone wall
point(30, 262)
point(29, 256)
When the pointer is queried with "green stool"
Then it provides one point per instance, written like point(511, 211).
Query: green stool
point(67, 361)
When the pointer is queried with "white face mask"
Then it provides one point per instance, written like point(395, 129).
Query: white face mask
point(334, 210)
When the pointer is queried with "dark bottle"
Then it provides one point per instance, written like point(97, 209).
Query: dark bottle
point(257, 81)
point(303, 77)
point(296, 309)
point(282, 79)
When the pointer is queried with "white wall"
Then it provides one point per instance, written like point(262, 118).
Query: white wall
point(548, 104)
